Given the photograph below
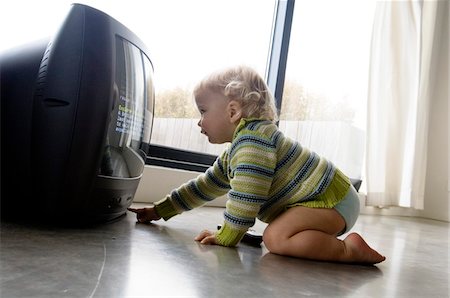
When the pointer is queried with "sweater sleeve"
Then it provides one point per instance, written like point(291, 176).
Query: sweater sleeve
point(252, 166)
point(197, 192)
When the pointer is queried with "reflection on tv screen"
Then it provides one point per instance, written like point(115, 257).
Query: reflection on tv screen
point(132, 111)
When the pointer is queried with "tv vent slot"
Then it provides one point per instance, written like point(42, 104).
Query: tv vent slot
point(54, 102)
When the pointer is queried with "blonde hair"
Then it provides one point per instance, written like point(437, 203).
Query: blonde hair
point(246, 86)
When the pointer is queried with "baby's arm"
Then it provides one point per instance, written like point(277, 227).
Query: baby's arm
point(145, 215)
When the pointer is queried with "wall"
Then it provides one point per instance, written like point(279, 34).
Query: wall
point(157, 182)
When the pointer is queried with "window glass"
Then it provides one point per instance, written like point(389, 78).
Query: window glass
point(193, 39)
point(325, 91)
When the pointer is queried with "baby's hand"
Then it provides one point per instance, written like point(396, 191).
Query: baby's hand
point(207, 237)
point(145, 215)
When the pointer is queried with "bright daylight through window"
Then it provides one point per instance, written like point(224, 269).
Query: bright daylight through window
point(211, 36)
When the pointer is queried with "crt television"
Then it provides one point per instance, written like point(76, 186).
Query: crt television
point(76, 120)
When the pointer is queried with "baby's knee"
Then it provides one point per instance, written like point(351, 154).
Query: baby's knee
point(272, 240)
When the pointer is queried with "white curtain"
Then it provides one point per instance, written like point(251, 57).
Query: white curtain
point(401, 72)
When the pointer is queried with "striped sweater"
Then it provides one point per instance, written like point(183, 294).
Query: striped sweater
point(262, 172)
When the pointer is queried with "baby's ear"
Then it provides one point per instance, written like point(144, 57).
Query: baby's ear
point(234, 111)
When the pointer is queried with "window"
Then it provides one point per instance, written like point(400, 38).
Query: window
point(325, 91)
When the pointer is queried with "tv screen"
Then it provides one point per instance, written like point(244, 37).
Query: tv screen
point(77, 114)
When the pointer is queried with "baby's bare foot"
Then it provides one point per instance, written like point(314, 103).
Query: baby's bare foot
point(360, 252)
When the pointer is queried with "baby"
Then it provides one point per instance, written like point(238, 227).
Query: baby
point(305, 200)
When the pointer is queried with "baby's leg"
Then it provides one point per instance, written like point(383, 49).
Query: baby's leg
point(311, 233)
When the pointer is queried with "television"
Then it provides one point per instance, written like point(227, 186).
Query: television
point(76, 120)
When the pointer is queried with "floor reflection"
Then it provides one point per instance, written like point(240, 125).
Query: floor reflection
point(290, 277)
point(125, 259)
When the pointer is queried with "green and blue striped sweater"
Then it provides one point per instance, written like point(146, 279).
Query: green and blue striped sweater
point(263, 173)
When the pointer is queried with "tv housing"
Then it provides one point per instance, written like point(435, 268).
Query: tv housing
point(76, 121)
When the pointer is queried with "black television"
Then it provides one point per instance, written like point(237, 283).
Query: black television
point(76, 120)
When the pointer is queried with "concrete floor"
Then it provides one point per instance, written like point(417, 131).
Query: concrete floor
point(125, 259)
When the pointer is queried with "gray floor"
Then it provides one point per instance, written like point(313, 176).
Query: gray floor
point(125, 259)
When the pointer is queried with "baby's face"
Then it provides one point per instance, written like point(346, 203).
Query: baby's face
point(215, 122)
